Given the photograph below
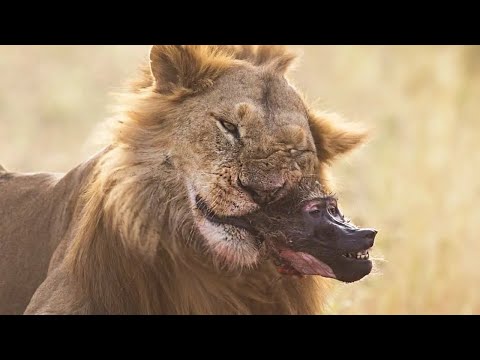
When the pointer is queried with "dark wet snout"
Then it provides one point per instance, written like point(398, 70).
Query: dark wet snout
point(355, 239)
point(334, 231)
point(366, 236)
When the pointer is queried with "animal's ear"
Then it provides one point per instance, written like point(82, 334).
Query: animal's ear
point(186, 67)
point(333, 136)
point(275, 57)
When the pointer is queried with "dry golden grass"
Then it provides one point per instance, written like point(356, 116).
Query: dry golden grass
point(415, 181)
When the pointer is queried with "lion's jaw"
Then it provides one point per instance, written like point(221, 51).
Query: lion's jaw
point(232, 246)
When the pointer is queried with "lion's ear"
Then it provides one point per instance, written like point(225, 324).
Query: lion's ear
point(333, 136)
point(275, 57)
point(186, 67)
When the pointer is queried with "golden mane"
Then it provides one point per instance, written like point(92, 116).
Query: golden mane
point(123, 263)
point(216, 59)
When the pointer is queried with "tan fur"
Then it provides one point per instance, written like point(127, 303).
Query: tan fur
point(334, 136)
point(132, 242)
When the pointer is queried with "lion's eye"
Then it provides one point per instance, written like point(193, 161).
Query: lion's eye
point(231, 128)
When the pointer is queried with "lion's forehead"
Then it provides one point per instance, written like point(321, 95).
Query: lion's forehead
point(268, 109)
point(269, 95)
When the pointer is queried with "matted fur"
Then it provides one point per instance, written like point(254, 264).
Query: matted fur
point(131, 244)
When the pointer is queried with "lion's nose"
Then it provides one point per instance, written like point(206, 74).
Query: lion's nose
point(262, 190)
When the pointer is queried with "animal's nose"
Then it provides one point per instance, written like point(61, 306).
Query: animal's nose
point(262, 191)
point(368, 235)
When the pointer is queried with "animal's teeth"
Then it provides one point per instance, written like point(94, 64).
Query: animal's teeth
point(358, 255)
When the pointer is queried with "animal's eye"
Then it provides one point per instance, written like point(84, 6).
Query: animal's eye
point(333, 211)
point(315, 211)
point(231, 128)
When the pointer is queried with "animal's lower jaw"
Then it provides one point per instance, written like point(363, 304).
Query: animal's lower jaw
point(232, 247)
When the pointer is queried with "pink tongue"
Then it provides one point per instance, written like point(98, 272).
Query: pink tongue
point(306, 264)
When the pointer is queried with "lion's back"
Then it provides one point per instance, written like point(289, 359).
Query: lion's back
point(25, 241)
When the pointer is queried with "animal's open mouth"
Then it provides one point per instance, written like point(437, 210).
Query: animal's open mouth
point(301, 243)
point(332, 247)
point(210, 215)
point(348, 267)
point(361, 255)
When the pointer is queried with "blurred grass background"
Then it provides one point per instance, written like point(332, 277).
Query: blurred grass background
point(416, 181)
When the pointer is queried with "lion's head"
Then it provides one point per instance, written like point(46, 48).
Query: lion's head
point(223, 132)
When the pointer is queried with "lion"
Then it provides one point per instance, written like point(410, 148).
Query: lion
point(123, 232)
